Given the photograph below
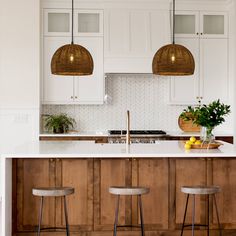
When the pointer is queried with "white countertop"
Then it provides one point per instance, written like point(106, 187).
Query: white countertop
point(82, 149)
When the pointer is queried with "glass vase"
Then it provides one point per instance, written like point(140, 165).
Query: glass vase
point(207, 134)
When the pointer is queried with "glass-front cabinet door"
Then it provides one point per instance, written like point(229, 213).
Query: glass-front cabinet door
point(186, 24)
point(89, 23)
point(214, 24)
point(57, 22)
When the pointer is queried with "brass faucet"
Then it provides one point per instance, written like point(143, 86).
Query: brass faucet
point(128, 129)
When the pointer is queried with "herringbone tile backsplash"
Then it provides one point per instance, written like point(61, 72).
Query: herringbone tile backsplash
point(145, 96)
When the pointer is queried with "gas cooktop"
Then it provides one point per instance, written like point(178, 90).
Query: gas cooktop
point(137, 132)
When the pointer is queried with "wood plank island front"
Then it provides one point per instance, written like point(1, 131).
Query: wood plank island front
point(91, 168)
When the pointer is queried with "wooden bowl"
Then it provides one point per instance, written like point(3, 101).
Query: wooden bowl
point(188, 126)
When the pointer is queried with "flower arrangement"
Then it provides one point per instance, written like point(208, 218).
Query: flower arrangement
point(208, 116)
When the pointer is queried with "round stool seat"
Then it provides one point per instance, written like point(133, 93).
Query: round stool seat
point(52, 192)
point(128, 190)
point(200, 189)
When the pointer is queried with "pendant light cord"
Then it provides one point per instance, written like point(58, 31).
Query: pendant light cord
point(173, 22)
point(72, 23)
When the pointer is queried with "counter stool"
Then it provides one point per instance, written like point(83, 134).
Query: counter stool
point(131, 191)
point(52, 192)
point(200, 190)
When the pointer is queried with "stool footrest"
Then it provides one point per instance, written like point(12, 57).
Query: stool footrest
point(188, 225)
point(53, 228)
point(130, 226)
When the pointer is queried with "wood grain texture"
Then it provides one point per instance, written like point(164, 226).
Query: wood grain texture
point(33, 173)
point(224, 175)
point(153, 173)
point(77, 173)
point(91, 209)
point(111, 172)
point(189, 172)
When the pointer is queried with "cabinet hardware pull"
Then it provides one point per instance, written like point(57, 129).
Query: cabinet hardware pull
point(76, 97)
point(197, 33)
point(71, 97)
point(51, 159)
point(201, 33)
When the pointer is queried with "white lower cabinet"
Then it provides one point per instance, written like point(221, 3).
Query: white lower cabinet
point(68, 89)
point(210, 80)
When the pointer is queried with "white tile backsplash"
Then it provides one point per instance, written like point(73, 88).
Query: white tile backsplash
point(146, 96)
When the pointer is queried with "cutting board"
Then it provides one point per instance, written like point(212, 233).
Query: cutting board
point(188, 126)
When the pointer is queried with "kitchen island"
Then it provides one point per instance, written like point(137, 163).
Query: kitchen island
point(91, 168)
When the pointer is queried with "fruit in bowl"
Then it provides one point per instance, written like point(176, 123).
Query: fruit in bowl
point(192, 142)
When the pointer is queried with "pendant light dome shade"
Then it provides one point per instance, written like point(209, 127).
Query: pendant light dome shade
point(73, 60)
point(173, 60)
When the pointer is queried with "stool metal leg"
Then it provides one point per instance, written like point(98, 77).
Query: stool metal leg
point(40, 215)
point(217, 214)
point(208, 216)
point(141, 213)
point(193, 215)
point(66, 217)
point(185, 212)
point(116, 215)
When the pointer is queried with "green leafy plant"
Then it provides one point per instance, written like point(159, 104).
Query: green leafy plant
point(207, 116)
point(59, 123)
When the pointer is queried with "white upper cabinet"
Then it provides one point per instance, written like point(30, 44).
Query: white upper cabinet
point(214, 24)
point(57, 22)
point(201, 24)
point(68, 89)
point(132, 37)
point(185, 89)
point(89, 23)
point(205, 34)
point(88, 32)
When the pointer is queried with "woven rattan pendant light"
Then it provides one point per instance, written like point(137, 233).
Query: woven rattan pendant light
point(173, 59)
point(72, 59)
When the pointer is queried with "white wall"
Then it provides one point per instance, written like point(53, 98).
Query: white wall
point(19, 73)
point(19, 57)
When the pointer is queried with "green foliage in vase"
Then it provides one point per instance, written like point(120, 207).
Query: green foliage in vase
point(59, 123)
point(207, 115)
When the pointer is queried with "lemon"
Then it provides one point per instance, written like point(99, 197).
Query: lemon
point(189, 142)
point(192, 139)
point(198, 142)
point(187, 146)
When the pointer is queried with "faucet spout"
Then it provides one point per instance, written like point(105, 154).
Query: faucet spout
point(128, 129)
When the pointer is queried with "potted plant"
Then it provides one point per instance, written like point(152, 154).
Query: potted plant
point(59, 123)
point(207, 116)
